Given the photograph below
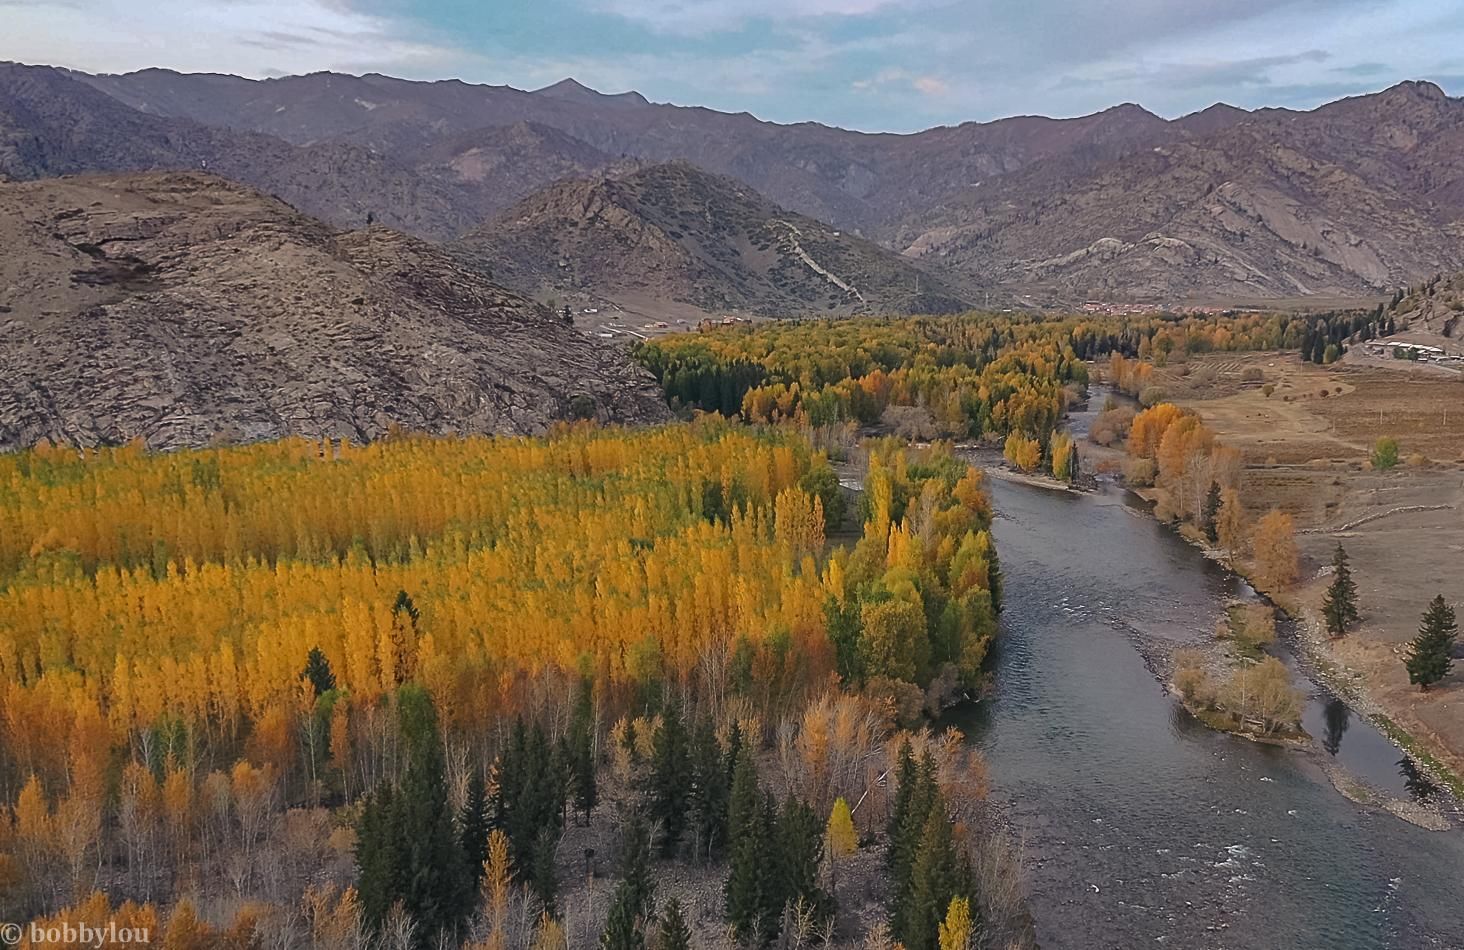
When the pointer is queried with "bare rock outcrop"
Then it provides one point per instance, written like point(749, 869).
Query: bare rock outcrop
point(180, 308)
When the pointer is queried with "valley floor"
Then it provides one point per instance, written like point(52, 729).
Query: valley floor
point(1306, 449)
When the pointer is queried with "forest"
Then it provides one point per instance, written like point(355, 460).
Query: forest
point(660, 688)
point(432, 691)
point(978, 375)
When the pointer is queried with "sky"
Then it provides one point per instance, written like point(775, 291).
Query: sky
point(876, 65)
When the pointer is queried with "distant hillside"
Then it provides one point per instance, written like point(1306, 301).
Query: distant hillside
point(1435, 306)
point(1354, 198)
point(856, 181)
point(506, 164)
point(178, 307)
point(1357, 197)
point(52, 124)
point(678, 233)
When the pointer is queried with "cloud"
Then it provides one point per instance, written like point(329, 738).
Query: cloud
point(932, 86)
point(1208, 74)
point(696, 16)
point(872, 64)
point(250, 37)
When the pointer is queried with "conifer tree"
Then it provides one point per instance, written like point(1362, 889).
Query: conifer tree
point(318, 672)
point(378, 860)
point(749, 884)
point(407, 849)
point(528, 791)
point(673, 933)
point(582, 753)
point(916, 799)
point(670, 779)
point(933, 882)
point(473, 826)
point(1210, 514)
point(708, 796)
point(1339, 604)
point(1431, 654)
point(438, 887)
point(635, 867)
point(733, 752)
point(542, 878)
point(800, 845)
point(623, 927)
point(630, 906)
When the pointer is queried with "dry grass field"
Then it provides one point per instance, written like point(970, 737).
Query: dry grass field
point(1306, 448)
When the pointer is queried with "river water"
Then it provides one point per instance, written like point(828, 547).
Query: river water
point(1143, 828)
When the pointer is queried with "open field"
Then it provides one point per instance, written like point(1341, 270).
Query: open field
point(1306, 450)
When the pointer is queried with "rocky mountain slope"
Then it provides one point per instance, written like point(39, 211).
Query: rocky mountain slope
point(51, 124)
point(1357, 197)
point(856, 181)
point(1435, 306)
point(1353, 198)
point(178, 308)
point(675, 232)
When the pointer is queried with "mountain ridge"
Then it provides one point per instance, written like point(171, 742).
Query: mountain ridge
point(176, 307)
point(676, 232)
point(1347, 199)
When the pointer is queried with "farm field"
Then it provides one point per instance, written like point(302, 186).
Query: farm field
point(1305, 450)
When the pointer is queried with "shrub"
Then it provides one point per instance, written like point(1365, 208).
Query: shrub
point(1384, 454)
point(1253, 627)
point(1268, 389)
point(1138, 473)
point(1252, 374)
point(1152, 396)
point(1112, 425)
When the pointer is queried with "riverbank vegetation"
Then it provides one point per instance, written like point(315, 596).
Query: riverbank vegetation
point(493, 690)
point(1003, 379)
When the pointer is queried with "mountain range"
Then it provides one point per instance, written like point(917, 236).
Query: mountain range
point(1353, 198)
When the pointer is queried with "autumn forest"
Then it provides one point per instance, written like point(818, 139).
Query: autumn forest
point(436, 691)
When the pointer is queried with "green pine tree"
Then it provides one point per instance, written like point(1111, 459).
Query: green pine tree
point(473, 826)
point(1339, 604)
point(748, 882)
point(669, 779)
point(438, 889)
point(318, 672)
point(1431, 654)
point(408, 849)
point(800, 850)
point(528, 792)
point(933, 880)
point(635, 867)
point(542, 878)
point(623, 927)
point(707, 799)
point(1210, 514)
point(916, 798)
point(582, 753)
point(378, 861)
point(733, 751)
point(673, 934)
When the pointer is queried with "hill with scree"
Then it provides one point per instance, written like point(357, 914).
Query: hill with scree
point(677, 233)
point(178, 307)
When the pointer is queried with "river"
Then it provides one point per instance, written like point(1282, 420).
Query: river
point(1143, 828)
